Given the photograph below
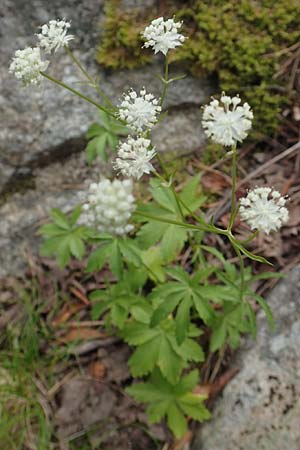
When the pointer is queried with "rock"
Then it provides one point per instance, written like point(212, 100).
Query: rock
point(260, 408)
point(84, 402)
point(35, 122)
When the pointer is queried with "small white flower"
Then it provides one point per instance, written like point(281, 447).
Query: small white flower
point(54, 35)
point(27, 65)
point(134, 157)
point(139, 111)
point(224, 125)
point(263, 209)
point(162, 35)
point(109, 206)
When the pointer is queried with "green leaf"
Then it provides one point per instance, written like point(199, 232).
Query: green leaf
point(98, 258)
point(75, 215)
point(144, 358)
point(76, 246)
point(169, 362)
point(191, 196)
point(252, 319)
point(115, 259)
point(118, 315)
point(176, 421)
point(183, 320)
point(94, 130)
point(173, 241)
point(153, 261)
point(218, 337)
point(164, 309)
point(266, 308)
point(194, 407)
point(60, 218)
point(172, 401)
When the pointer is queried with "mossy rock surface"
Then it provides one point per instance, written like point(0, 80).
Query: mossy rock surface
point(242, 42)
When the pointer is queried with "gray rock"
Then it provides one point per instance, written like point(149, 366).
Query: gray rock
point(35, 121)
point(260, 408)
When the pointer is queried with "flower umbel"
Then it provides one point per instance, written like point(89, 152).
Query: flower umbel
point(134, 157)
point(162, 35)
point(139, 111)
point(263, 209)
point(225, 125)
point(109, 206)
point(54, 35)
point(27, 65)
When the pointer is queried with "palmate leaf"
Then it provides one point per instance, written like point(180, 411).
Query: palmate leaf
point(117, 300)
point(164, 205)
point(173, 401)
point(159, 346)
point(184, 293)
point(235, 320)
point(63, 238)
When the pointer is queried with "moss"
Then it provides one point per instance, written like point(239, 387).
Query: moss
point(121, 42)
point(237, 40)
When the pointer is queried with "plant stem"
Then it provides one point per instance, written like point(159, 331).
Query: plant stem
point(170, 221)
point(87, 76)
point(233, 187)
point(165, 82)
point(242, 271)
point(79, 94)
point(176, 196)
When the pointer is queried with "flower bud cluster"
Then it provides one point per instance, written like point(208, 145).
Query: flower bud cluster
point(54, 35)
point(162, 35)
point(139, 111)
point(134, 157)
point(226, 122)
point(27, 64)
point(263, 209)
point(109, 206)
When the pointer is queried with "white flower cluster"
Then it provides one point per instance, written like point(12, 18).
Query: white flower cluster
point(134, 157)
point(139, 111)
point(54, 35)
point(224, 125)
point(109, 206)
point(263, 209)
point(27, 65)
point(162, 35)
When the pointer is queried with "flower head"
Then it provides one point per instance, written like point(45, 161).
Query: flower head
point(225, 125)
point(109, 206)
point(54, 35)
point(134, 157)
point(27, 65)
point(162, 35)
point(139, 111)
point(263, 209)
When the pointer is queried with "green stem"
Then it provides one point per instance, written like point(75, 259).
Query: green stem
point(87, 76)
point(242, 271)
point(176, 196)
point(165, 82)
point(250, 238)
point(233, 187)
point(170, 221)
point(79, 94)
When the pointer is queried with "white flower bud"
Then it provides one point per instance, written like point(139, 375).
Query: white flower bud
point(162, 35)
point(263, 209)
point(110, 206)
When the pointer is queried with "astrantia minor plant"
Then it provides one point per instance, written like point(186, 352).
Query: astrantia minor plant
point(152, 302)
